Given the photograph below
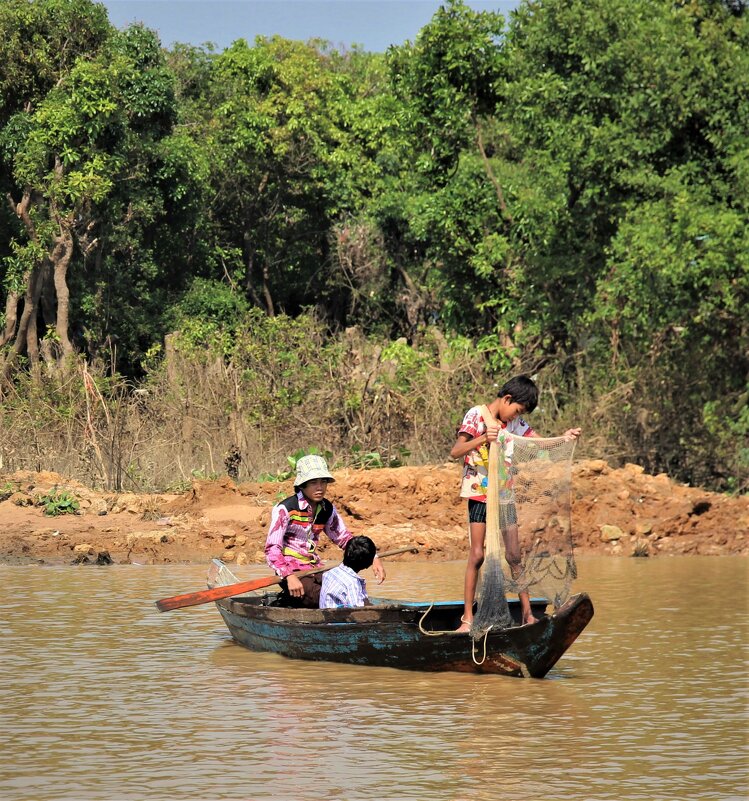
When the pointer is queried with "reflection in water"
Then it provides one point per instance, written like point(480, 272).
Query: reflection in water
point(102, 697)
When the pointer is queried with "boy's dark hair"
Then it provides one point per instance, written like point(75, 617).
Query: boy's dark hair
point(359, 553)
point(522, 390)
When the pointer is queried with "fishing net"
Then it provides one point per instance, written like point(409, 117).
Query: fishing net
point(219, 575)
point(528, 531)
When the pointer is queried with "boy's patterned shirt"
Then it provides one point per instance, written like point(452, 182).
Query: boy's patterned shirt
point(342, 586)
point(476, 462)
point(296, 531)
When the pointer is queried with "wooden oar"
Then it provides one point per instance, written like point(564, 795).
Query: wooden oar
point(206, 596)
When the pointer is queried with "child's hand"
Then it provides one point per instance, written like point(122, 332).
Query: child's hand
point(378, 569)
point(572, 433)
point(295, 586)
point(492, 432)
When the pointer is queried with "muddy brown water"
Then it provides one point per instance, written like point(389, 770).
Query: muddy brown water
point(103, 698)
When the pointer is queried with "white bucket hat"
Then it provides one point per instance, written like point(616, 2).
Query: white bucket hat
point(309, 467)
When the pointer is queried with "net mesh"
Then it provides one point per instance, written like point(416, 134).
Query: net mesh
point(528, 526)
point(219, 575)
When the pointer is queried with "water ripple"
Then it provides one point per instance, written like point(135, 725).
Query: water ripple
point(102, 698)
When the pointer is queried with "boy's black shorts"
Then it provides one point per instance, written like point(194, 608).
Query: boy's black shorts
point(476, 511)
point(508, 515)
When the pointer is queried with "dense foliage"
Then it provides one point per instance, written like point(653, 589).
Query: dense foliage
point(564, 193)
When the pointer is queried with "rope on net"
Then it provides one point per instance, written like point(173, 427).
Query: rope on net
point(426, 632)
point(473, 648)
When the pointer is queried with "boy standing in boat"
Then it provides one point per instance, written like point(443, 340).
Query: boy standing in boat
point(517, 397)
point(343, 586)
point(295, 527)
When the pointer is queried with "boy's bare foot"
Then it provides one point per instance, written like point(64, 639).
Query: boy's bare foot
point(464, 627)
point(528, 619)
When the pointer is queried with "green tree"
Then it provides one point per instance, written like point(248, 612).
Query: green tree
point(452, 213)
point(96, 172)
point(276, 129)
point(631, 138)
point(40, 42)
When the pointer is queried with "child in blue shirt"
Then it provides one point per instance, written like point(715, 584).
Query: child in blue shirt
point(343, 586)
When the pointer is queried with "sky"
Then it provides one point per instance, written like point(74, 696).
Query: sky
point(373, 24)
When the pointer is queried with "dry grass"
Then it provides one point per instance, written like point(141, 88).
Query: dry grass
point(352, 396)
point(187, 416)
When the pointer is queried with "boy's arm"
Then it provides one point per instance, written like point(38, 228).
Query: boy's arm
point(470, 436)
point(465, 444)
point(378, 569)
point(570, 433)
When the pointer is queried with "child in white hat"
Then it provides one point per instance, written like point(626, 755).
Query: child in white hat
point(295, 527)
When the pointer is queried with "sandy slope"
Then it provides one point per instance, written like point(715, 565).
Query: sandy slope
point(395, 507)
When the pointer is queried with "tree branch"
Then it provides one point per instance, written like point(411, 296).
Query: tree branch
point(490, 174)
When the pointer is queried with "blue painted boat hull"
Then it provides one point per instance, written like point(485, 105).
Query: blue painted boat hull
point(411, 636)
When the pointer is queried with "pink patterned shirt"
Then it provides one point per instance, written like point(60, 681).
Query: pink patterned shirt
point(295, 530)
point(476, 462)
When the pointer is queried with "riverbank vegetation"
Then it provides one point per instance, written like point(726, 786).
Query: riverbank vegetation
point(212, 259)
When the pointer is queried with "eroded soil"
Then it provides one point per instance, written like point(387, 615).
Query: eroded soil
point(615, 511)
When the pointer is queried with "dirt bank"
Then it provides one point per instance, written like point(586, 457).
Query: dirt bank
point(615, 511)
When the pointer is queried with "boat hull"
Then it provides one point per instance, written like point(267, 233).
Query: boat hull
point(410, 636)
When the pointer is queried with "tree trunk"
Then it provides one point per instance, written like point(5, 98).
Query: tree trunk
point(491, 176)
point(11, 317)
point(47, 298)
point(46, 290)
point(21, 210)
point(269, 307)
point(32, 335)
point(27, 321)
point(60, 261)
point(248, 279)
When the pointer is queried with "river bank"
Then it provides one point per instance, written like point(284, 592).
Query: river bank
point(618, 512)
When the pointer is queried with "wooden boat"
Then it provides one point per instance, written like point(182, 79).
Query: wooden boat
point(402, 634)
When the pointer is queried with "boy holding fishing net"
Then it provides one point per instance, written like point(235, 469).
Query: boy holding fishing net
point(481, 426)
